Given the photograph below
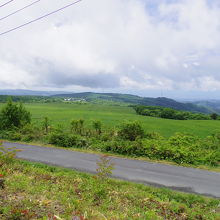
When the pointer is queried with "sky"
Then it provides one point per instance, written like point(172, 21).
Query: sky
point(145, 47)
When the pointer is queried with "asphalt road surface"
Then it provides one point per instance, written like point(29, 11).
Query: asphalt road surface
point(160, 175)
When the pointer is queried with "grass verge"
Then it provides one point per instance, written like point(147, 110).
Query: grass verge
point(37, 191)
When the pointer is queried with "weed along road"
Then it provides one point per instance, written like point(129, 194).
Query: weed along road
point(179, 178)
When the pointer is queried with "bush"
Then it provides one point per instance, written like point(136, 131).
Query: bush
point(58, 138)
point(7, 155)
point(132, 148)
point(30, 132)
point(212, 142)
point(46, 125)
point(214, 116)
point(14, 116)
point(77, 126)
point(104, 167)
point(67, 140)
point(15, 136)
point(182, 148)
point(182, 139)
point(131, 131)
point(97, 125)
point(154, 135)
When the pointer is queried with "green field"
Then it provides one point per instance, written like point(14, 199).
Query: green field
point(63, 113)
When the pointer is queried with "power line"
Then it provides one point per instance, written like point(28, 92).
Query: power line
point(15, 12)
point(6, 3)
point(39, 18)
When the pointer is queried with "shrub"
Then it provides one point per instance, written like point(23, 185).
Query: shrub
point(104, 167)
point(154, 135)
point(63, 139)
point(212, 142)
point(31, 132)
point(7, 155)
point(181, 139)
point(15, 136)
point(182, 148)
point(46, 125)
point(14, 116)
point(77, 126)
point(132, 148)
point(131, 131)
point(214, 116)
point(57, 138)
point(97, 125)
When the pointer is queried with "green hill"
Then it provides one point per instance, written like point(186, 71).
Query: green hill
point(209, 104)
point(137, 100)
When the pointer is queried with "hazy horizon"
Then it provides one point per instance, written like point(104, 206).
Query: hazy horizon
point(151, 94)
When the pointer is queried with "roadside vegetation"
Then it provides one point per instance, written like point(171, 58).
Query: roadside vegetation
point(36, 191)
point(129, 138)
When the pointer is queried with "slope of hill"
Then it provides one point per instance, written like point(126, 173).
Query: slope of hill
point(51, 96)
point(137, 100)
point(210, 104)
point(29, 99)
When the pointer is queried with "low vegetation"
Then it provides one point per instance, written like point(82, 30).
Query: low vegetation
point(14, 116)
point(36, 191)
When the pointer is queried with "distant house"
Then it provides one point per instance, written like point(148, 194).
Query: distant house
point(74, 100)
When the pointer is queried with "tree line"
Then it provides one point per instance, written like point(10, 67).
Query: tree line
point(169, 113)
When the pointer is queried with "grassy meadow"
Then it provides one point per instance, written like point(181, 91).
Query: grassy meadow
point(37, 191)
point(63, 113)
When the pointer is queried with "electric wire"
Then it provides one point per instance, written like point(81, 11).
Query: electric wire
point(21, 9)
point(39, 18)
point(6, 3)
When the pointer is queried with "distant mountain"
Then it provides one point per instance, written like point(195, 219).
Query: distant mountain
point(213, 105)
point(137, 100)
point(23, 92)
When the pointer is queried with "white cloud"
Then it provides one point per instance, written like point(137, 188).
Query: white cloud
point(113, 44)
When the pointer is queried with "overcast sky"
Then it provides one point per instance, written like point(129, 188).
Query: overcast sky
point(147, 47)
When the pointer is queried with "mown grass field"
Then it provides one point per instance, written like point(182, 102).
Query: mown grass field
point(37, 191)
point(62, 113)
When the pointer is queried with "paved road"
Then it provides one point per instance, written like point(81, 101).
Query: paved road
point(178, 178)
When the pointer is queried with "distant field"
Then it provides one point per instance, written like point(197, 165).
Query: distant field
point(62, 113)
